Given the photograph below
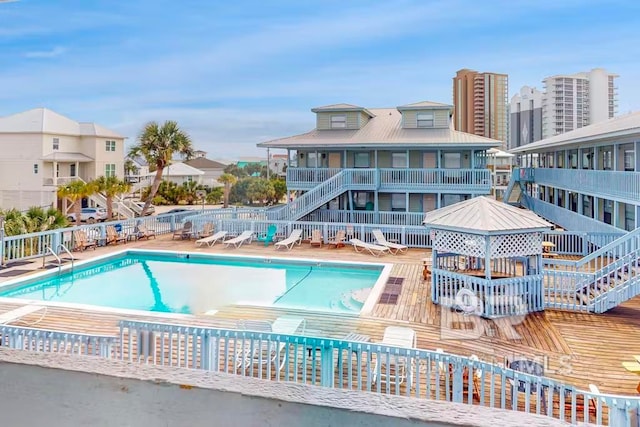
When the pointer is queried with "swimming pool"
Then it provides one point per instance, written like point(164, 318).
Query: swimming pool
point(171, 282)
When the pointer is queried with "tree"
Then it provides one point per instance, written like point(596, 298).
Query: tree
point(158, 144)
point(215, 196)
point(75, 191)
point(112, 187)
point(279, 188)
point(260, 189)
point(228, 180)
point(130, 167)
point(234, 170)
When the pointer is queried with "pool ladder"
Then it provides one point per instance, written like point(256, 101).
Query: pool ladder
point(64, 248)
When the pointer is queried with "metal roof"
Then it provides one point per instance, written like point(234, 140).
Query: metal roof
point(383, 129)
point(204, 163)
point(486, 216)
point(67, 157)
point(43, 120)
point(425, 104)
point(179, 169)
point(340, 108)
point(629, 124)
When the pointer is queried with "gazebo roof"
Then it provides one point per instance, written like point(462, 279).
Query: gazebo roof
point(484, 215)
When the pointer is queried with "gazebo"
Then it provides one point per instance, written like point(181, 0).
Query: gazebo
point(487, 258)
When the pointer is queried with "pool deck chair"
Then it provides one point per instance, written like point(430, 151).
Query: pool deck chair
point(142, 232)
point(113, 236)
point(375, 250)
point(391, 364)
point(269, 236)
point(185, 232)
point(236, 242)
point(295, 238)
point(316, 238)
point(264, 351)
point(337, 241)
point(394, 248)
point(82, 242)
point(212, 240)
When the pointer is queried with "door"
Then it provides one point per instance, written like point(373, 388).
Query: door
point(334, 160)
point(429, 160)
point(72, 169)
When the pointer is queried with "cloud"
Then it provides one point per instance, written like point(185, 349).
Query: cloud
point(52, 53)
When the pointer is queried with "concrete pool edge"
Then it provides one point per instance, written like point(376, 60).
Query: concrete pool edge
point(376, 289)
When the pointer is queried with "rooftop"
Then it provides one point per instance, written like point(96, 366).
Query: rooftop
point(485, 215)
point(43, 120)
point(384, 128)
point(204, 163)
point(179, 169)
point(621, 126)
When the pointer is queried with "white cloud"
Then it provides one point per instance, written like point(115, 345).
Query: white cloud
point(52, 53)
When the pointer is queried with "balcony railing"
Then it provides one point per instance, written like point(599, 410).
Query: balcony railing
point(621, 185)
point(471, 180)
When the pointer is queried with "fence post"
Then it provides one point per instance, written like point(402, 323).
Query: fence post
point(172, 222)
point(326, 367)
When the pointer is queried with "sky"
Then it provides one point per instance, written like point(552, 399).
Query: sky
point(234, 74)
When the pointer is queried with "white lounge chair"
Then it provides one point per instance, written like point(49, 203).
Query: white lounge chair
point(294, 238)
point(375, 250)
point(394, 366)
point(213, 239)
point(262, 351)
point(238, 241)
point(394, 248)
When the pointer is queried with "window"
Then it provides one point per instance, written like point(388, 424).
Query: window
point(339, 122)
point(35, 168)
point(629, 160)
point(109, 170)
point(425, 120)
point(312, 160)
point(361, 160)
point(110, 145)
point(56, 143)
point(72, 170)
point(452, 161)
point(398, 160)
point(587, 206)
point(398, 202)
point(629, 217)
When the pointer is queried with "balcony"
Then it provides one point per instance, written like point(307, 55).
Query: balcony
point(415, 180)
point(617, 185)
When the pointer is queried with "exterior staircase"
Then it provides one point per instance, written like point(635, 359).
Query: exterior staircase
point(345, 180)
point(513, 193)
point(598, 282)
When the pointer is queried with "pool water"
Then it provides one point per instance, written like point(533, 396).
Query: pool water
point(177, 283)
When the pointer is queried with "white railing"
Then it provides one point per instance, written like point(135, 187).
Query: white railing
point(47, 341)
point(367, 367)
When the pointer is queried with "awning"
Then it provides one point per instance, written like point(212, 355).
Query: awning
point(67, 157)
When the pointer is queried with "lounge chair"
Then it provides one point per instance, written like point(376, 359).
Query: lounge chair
point(394, 366)
point(212, 240)
point(294, 238)
point(262, 351)
point(185, 232)
point(375, 250)
point(337, 241)
point(394, 248)
point(142, 232)
point(82, 242)
point(269, 235)
point(114, 237)
point(316, 238)
point(238, 241)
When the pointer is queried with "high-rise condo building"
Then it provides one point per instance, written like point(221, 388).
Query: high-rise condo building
point(480, 103)
point(525, 122)
point(576, 100)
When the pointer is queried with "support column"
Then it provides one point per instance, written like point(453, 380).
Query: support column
point(55, 173)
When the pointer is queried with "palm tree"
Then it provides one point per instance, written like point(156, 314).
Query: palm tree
point(112, 187)
point(228, 180)
point(158, 144)
point(75, 191)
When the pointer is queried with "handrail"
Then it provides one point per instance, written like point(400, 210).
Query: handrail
point(64, 248)
point(55, 256)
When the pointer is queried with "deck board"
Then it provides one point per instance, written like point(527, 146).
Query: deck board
point(578, 348)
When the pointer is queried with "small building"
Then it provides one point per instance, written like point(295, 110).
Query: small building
point(180, 173)
point(212, 170)
point(41, 149)
point(487, 258)
point(500, 163)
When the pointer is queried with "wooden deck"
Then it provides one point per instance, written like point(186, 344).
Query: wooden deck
point(576, 348)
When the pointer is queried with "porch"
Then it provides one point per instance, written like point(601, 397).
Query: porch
point(62, 168)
